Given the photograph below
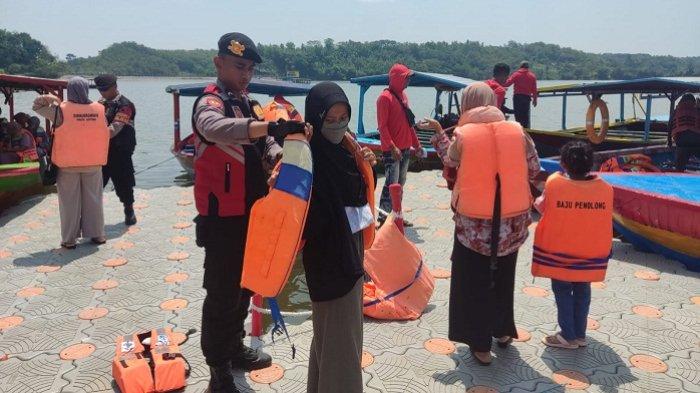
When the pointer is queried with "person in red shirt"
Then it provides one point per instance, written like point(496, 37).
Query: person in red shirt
point(685, 130)
point(396, 132)
point(524, 91)
point(500, 75)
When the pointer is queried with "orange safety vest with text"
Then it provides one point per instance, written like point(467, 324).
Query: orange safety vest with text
point(83, 137)
point(491, 151)
point(574, 236)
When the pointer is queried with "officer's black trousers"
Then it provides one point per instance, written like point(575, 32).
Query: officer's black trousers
point(120, 168)
point(521, 107)
point(226, 304)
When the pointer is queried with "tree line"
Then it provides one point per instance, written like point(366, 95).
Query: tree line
point(330, 60)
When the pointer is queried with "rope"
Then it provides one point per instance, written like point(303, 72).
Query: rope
point(154, 165)
point(267, 311)
point(147, 168)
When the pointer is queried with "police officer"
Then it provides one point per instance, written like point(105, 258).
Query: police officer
point(120, 114)
point(233, 148)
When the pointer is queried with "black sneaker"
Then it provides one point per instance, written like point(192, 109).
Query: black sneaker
point(129, 215)
point(221, 380)
point(249, 359)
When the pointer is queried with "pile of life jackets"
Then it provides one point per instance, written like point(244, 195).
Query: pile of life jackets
point(401, 284)
point(157, 366)
point(629, 163)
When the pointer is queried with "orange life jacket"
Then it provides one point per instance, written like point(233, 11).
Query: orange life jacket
point(368, 176)
point(131, 367)
point(169, 366)
point(401, 284)
point(574, 236)
point(490, 150)
point(29, 154)
point(280, 108)
point(277, 221)
point(156, 367)
point(83, 137)
point(685, 118)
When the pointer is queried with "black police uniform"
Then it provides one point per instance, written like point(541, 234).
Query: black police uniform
point(224, 236)
point(120, 166)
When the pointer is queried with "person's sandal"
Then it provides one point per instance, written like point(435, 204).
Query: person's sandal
point(581, 342)
point(557, 341)
point(99, 240)
point(69, 246)
point(504, 343)
point(483, 358)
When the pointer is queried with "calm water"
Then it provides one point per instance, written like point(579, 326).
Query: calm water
point(155, 118)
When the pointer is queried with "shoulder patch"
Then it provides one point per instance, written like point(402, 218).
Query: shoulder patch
point(122, 117)
point(214, 102)
point(258, 111)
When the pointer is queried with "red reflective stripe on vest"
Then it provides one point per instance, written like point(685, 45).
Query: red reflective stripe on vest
point(219, 175)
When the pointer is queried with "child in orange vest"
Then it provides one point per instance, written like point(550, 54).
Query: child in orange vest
point(573, 240)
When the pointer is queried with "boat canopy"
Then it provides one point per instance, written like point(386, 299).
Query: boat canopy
point(645, 88)
point(271, 87)
point(671, 87)
point(11, 83)
point(444, 82)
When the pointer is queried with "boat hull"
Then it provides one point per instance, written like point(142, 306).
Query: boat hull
point(659, 213)
point(17, 180)
point(621, 135)
point(431, 161)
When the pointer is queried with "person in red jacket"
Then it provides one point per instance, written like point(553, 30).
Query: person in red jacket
point(685, 130)
point(524, 91)
point(396, 132)
point(500, 76)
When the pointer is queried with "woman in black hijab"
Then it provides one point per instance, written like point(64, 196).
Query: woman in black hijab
point(338, 223)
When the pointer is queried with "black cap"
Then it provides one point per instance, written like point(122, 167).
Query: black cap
point(105, 81)
point(239, 45)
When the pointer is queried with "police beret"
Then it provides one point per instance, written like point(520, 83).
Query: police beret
point(239, 45)
point(105, 81)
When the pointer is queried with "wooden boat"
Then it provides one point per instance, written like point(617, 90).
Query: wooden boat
point(655, 211)
point(446, 86)
point(183, 149)
point(623, 132)
point(20, 179)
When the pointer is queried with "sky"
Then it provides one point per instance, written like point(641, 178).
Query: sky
point(84, 27)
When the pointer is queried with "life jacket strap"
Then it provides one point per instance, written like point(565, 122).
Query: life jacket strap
point(279, 326)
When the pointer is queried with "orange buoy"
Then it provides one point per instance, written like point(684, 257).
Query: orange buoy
point(597, 104)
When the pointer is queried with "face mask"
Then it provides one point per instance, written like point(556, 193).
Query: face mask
point(334, 132)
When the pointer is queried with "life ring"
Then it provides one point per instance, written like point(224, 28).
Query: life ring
point(595, 105)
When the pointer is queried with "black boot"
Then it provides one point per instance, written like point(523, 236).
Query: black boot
point(221, 380)
point(249, 359)
point(129, 215)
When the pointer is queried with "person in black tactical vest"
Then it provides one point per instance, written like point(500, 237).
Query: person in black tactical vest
point(120, 114)
point(233, 148)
